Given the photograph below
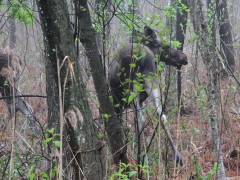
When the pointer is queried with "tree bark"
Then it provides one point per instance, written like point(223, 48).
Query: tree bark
point(12, 39)
point(112, 123)
point(205, 29)
point(178, 26)
point(225, 32)
point(104, 17)
point(80, 131)
point(181, 25)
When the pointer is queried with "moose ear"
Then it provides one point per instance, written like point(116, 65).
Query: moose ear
point(151, 35)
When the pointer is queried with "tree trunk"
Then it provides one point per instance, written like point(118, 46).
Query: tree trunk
point(112, 123)
point(225, 32)
point(80, 132)
point(205, 29)
point(12, 39)
point(171, 72)
point(181, 25)
point(178, 26)
point(104, 17)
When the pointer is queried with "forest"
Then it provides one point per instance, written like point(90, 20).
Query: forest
point(120, 89)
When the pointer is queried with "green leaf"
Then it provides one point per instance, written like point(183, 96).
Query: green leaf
point(154, 86)
point(32, 176)
point(51, 131)
point(135, 56)
point(116, 105)
point(53, 174)
point(57, 143)
point(144, 110)
point(110, 97)
point(124, 99)
point(47, 140)
point(106, 116)
point(143, 53)
point(100, 135)
point(138, 87)
point(18, 10)
point(124, 165)
point(6, 83)
point(139, 75)
point(129, 2)
point(176, 44)
point(159, 23)
point(155, 16)
point(132, 65)
point(149, 78)
point(44, 175)
point(196, 131)
point(132, 96)
point(132, 173)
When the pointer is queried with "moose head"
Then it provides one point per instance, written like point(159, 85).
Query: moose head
point(166, 54)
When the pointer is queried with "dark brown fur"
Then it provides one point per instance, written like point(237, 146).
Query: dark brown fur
point(122, 77)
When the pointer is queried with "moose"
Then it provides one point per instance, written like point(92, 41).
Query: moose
point(134, 69)
point(10, 70)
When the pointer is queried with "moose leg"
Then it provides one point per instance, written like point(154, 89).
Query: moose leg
point(154, 97)
point(139, 119)
point(21, 105)
point(27, 110)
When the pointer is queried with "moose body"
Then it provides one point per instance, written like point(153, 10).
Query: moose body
point(10, 69)
point(134, 66)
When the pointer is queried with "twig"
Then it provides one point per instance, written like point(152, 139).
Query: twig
point(9, 97)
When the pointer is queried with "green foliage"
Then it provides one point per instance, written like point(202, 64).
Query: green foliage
point(182, 7)
point(20, 11)
point(54, 171)
point(213, 171)
point(31, 173)
point(202, 100)
point(132, 96)
point(44, 175)
point(57, 143)
point(176, 44)
point(116, 105)
point(52, 138)
point(127, 172)
point(26, 165)
point(196, 131)
point(184, 126)
point(198, 169)
point(100, 135)
point(47, 140)
point(169, 12)
point(51, 131)
point(6, 83)
point(106, 116)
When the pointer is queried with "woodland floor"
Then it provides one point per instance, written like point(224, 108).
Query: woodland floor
point(191, 131)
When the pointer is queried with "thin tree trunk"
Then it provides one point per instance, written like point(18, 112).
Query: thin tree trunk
point(225, 32)
point(12, 39)
point(181, 25)
point(178, 26)
point(112, 123)
point(171, 72)
point(12, 34)
point(205, 29)
point(80, 134)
